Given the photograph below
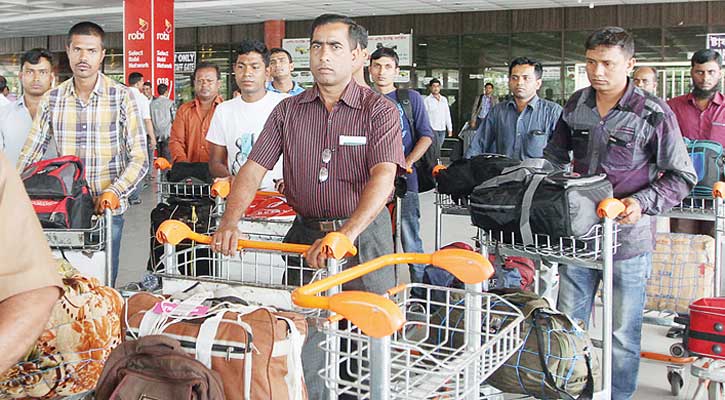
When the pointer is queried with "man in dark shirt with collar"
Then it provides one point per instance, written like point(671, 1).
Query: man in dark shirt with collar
point(341, 149)
point(519, 127)
point(615, 128)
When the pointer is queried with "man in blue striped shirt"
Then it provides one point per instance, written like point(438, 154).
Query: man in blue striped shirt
point(521, 126)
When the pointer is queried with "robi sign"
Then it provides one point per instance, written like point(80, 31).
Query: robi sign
point(149, 41)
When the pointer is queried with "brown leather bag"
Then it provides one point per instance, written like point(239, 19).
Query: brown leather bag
point(155, 367)
point(256, 351)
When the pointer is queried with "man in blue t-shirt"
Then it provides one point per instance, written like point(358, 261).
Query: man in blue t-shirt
point(416, 140)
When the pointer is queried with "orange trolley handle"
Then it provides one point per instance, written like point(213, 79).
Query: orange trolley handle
point(334, 244)
point(376, 315)
point(162, 164)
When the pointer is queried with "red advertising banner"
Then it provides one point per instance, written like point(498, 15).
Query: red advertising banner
point(163, 45)
point(148, 31)
point(137, 38)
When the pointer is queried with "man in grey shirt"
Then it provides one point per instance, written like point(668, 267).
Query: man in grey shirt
point(162, 116)
point(36, 76)
point(615, 128)
point(521, 126)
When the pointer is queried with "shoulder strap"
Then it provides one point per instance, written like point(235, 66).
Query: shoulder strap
point(404, 100)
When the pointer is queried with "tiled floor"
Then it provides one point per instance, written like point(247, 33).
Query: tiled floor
point(135, 248)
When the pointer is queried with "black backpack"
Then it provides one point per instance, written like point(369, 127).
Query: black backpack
point(425, 165)
point(463, 175)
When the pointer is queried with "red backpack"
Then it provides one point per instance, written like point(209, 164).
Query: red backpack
point(59, 192)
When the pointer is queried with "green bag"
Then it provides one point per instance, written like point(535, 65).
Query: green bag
point(556, 360)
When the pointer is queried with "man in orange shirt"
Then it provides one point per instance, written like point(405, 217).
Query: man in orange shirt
point(188, 132)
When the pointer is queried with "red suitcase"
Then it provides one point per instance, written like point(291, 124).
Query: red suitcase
point(706, 336)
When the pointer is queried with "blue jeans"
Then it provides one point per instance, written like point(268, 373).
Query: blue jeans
point(117, 232)
point(577, 288)
point(410, 232)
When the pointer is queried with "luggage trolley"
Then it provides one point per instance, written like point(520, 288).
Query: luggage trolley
point(699, 209)
point(187, 188)
point(594, 250)
point(394, 346)
point(446, 205)
point(263, 273)
point(94, 240)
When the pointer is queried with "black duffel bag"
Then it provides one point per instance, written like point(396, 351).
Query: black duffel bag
point(532, 199)
point(197, 171)
point(459, 178)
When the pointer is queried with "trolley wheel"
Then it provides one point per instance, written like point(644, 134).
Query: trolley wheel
point(678, 350)
point(676, 382)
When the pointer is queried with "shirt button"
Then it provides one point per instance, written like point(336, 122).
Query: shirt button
point(601, 122)
point(83, 127)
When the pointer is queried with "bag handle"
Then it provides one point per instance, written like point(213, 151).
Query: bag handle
point(154, 344)
point(587, 393)
point(524, 224)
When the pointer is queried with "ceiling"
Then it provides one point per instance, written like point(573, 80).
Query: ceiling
point(44, 17)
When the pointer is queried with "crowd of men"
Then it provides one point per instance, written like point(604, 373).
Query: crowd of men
point(335, 150)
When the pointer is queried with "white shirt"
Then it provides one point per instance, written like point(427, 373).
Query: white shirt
point(438, 113)
point(4, 101)
point(237, 124)
point(143, 104)
point(15, 123)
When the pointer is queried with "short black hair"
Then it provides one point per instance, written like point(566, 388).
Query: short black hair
point(357, 35)
point(3, 83)
point(162, 88)
point(385, 52)
point(87, 28)
point(611, 36)
point(33, 57)
point(204, 65)
point(706, 55)
point(134, 78)
point(358, 31)
point(147, 83)
point(538, 68)
point(488, 84)
point(254, 46)
point(281, 50)
point(434, 80)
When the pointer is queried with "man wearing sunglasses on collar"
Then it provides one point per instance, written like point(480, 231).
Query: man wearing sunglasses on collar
point(341, 150)
point(521, 126)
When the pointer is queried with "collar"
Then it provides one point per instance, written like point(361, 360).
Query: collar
point(533, 103)
point(20, 102)
point(351, 95)
point(295, 86)
point(718, 99)
point(98, 90)
point(434, 98)
point(197, 103)
point(626, 102)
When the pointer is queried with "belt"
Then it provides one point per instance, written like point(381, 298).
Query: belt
point(323, 224)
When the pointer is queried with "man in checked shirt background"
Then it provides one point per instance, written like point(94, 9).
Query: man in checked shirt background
point(95, 118)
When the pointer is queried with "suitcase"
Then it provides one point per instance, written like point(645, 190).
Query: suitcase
point(255, 350)
point(452, 148)
point(682, 271)
point(706, 333)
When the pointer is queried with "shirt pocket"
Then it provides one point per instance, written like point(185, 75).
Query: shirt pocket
point(717, 131)
point(350, 165)
point(621, 147)
point(580, 143)
point(535, 141)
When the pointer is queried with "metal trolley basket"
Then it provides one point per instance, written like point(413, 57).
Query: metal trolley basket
point(92, 240)
point(406, 346)
point(263, 272)
point(594, 250)
point(187, 188)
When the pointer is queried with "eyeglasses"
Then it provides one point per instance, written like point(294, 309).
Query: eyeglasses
point(324, 172)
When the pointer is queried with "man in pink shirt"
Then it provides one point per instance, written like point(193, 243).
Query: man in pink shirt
point(701, 115)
